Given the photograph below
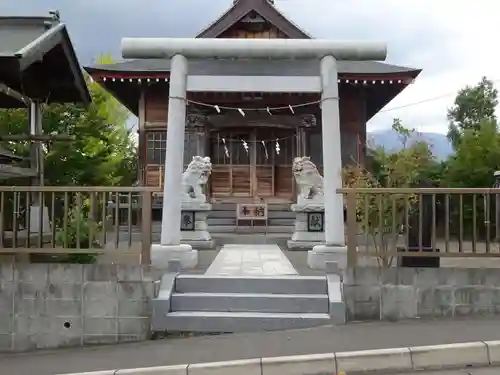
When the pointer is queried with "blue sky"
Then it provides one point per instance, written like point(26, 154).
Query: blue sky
point(455, 43)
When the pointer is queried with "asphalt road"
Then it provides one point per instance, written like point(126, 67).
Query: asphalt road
point(354, 336)
point(466, 371)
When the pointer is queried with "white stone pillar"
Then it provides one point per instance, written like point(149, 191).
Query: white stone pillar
point(170, 248)
point(334, 249)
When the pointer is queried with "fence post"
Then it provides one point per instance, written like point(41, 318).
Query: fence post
point(496, 185)
point(352, 230)
point(146, 227)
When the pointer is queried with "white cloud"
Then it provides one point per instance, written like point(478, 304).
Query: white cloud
point(454, 42)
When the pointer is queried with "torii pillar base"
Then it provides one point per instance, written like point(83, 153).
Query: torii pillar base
point(162, 255)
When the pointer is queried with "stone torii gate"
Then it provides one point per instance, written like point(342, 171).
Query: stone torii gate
point(180, 49)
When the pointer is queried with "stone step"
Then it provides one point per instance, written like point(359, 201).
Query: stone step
point(251, 302)
point(212, 221)
point(251, 284)
point(232, 214)
point(217, 321)
point(232, 207)
point(279, 239)
point(249, 230)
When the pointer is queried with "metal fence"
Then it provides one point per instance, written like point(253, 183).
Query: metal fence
point(388, 224)
point(75, 223)
point(424, 222)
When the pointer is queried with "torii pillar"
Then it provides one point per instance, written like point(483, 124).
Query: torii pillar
point(181, 49)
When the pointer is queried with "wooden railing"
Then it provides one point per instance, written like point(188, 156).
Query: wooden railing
point(388, 224)
point(76, 224)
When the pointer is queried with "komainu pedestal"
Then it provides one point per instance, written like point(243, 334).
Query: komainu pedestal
point(194, 227)
point(310, 208)
point(309, 226)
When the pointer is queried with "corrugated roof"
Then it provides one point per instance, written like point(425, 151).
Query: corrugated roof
point(251, 67)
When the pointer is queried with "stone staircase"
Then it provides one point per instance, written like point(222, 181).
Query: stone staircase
point(201, 303)
point(222, 221)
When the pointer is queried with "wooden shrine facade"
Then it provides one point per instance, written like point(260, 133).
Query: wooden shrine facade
point(252, 153)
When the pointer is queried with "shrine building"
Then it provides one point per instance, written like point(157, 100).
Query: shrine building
point(251, 137)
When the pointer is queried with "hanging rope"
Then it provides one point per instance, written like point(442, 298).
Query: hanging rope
point(250, 141)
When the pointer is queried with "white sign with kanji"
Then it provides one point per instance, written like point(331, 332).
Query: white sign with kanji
point(251, 211)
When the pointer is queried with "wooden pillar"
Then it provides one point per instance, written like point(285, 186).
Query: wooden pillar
point(142, 151)
point(362, 132)
point(36, 148)
point(142, 143)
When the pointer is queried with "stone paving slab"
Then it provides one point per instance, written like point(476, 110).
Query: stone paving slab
point(251, 260)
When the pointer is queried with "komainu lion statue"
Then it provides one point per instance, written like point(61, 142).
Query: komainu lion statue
point(308, 178)
point(195, 176)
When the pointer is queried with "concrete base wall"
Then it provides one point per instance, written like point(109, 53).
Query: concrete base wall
point(46, 306)
point(373, 293)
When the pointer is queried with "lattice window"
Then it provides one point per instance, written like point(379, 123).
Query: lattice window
point(157, 142)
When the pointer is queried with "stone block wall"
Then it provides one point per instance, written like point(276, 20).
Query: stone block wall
point(46, 306)
point(373, 293)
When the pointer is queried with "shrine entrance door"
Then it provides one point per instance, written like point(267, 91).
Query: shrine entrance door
point(253, 164)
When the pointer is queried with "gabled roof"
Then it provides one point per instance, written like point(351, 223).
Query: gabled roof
point(257, 67)
point(154, 68)
point(37, 60)
point(242, 8)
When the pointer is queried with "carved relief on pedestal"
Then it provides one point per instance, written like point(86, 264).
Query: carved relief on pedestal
point(195, 120)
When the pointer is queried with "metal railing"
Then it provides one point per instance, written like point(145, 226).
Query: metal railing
point(387, 224)
point(76, 223)
point(423, 222)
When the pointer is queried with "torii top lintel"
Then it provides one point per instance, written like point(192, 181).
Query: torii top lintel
point(157, 48)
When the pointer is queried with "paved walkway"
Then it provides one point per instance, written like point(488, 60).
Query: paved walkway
point(465, 371)
point(251, 260)
point(354, 336)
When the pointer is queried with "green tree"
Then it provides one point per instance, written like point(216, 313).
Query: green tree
point(404, 134)
point(413, 162)
point(476, 158)
point(103, 152)
point(472, 106)
point(381, 216)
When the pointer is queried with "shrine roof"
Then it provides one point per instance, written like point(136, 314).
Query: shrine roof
point(258, 67)
point(37, 60)
point(241, 8)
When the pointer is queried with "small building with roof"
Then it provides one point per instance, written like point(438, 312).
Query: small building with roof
point(251, 153)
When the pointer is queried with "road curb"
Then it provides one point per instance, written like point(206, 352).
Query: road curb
point(472, 354)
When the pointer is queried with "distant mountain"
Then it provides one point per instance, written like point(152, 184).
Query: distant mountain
point(441, 147)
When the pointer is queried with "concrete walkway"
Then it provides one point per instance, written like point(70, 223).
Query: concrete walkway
point(464, 371)
point(251, 260)
point(354, 336)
